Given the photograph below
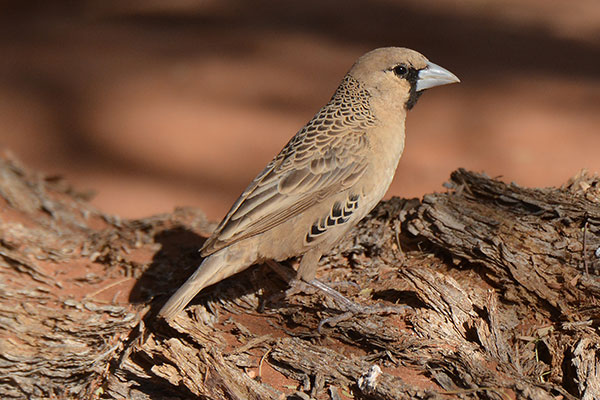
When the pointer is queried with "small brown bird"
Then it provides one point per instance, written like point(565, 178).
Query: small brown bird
point(326, 179)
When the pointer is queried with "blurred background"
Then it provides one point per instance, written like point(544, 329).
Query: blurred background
point(157, 104)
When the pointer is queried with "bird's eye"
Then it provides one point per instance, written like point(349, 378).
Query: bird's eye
point(400, 70)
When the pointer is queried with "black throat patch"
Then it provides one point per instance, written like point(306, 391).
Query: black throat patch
point(412, 77)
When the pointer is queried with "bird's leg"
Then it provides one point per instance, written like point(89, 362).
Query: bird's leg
point(285, 273)
point(349, 307)
point(352, 308)
point(288, 275)
point(345, 303)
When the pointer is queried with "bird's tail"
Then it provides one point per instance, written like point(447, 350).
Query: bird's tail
point(213, 269)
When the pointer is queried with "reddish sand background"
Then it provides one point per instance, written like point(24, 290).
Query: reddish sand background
point(156, 104)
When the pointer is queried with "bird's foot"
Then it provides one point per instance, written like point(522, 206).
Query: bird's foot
point(363, 310)
point(349, 307)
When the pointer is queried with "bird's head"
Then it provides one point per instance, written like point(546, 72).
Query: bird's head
point(397, 76)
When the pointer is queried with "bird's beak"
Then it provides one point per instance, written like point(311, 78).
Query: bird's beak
point(433, 75)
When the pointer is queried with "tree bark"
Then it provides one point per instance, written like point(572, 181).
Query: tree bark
point(501, 280)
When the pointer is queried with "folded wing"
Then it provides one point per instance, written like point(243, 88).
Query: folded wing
point(315, 164)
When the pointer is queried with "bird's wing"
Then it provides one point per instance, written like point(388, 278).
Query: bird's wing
point(315, 164)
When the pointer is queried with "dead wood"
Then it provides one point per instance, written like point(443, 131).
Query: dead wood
point(502, 305)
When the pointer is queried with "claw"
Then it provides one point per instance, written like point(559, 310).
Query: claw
point(363, 310)
point(349, 307)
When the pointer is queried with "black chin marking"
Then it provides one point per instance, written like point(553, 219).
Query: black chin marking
point(412, 77)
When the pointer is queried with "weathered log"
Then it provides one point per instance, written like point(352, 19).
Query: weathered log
point(502, 281)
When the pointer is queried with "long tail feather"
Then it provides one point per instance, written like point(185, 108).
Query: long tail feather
point(213, 269)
